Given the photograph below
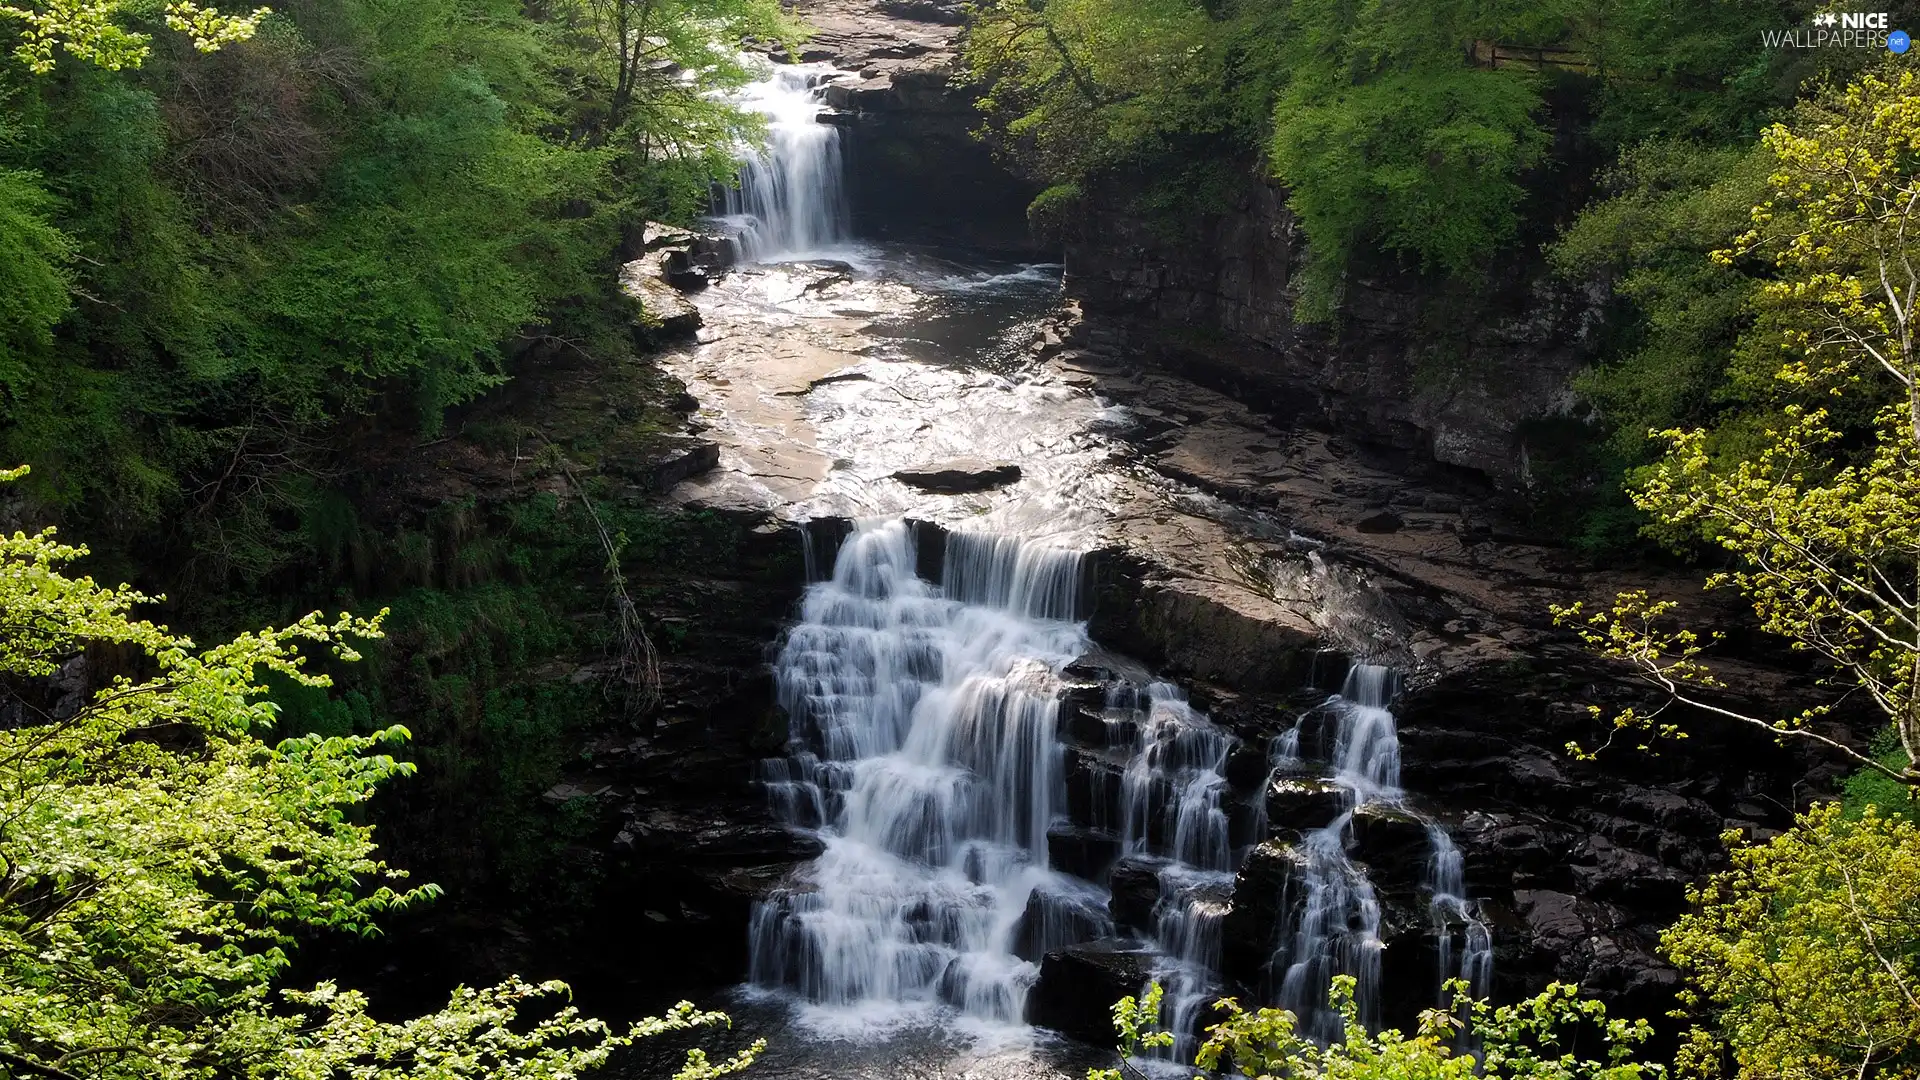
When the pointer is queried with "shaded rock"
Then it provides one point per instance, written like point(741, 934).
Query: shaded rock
point(930, 11)
point(1301, 804)
point(1208, 629)
point(1383, 522)
point(667, 462)
point(1082, 852)
point(693, 838)
point(664, 313)
point(1135, 884)
point(1265, 894)
point(1392, 844)
point(1078, 986)
point(1057, 920)
point(1604, 870)
point(960, 476)
point(1508, 849)
point(1093, 786)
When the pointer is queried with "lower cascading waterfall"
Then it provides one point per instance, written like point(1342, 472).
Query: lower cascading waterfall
point(1175, 823)
point(1338, 926)
point(924, 753)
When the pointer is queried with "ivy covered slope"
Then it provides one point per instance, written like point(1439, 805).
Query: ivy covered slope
point(233, 250)
point(160, 850)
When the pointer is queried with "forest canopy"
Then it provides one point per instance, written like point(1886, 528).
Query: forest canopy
point(230, 244)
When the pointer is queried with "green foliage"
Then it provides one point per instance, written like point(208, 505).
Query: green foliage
point(158, 857)
point(1534, 1039)
point(1673, 204)
point(1873, 789)
point(1819, 516)
point(501, 637)
point(33, 279)
point(1423, 163)
point(1386, 133)
point(1806, 953)
point(218, 271)
point(93, 30)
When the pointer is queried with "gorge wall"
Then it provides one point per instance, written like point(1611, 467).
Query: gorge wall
point(1431, 371)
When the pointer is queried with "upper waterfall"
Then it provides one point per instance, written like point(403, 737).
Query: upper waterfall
point(792, 199)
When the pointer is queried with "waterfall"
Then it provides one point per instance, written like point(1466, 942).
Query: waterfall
point(923, 751)
point(1174, 824)
point(1337, 928)
point(926, 754)
point(791, 201)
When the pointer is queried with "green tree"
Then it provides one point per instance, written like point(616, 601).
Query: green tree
point(1532, 1040)
point(1822, 518)
point(96, 31)
point(158, 856)
point(1382, 132)
point(1806, 953)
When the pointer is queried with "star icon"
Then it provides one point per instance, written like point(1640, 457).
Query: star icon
point(1827, 18)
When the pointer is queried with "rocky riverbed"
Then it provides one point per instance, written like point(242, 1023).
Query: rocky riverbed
point(1249, 561)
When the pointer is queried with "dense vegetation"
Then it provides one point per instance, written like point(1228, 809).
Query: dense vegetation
point(1388, 137)
point(247, 265)
point(222, 270)
point(159, 857)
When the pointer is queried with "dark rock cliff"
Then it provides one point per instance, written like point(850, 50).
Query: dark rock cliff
point(1410, 365)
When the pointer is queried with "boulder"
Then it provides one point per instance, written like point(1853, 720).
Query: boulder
point(1385, 521)
point(1135, 884)
point(1265, 892)
point(1302, 804)
point(960, 476)
point(1078, 986)
point(664, 313)
point(1059, 918)
point(926, 11)
point(1083, 852)
point(1093, 786)
point(1393, 845)
point(665, 462)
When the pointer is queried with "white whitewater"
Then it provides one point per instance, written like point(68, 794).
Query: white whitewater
point(924, 753)
point(1338, 929)
point(1171, 801)
point(791, 202)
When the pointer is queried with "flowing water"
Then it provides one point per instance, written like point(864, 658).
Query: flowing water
point(1337, 930)
point(924, 749)
point(925, 693)
point(791, 202)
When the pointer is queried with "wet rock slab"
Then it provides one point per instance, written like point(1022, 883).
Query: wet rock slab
point(960, 477)
point(1078, 986)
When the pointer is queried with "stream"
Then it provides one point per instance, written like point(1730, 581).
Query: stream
point(982, 776)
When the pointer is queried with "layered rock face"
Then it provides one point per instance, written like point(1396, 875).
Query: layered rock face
point(1215, 305)
point(1573, 867)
